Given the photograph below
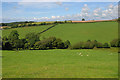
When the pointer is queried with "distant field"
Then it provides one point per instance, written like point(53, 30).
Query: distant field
point(101, 63)
point(101, 31)
point(24, 30)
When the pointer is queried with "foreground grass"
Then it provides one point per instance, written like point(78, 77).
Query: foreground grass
point(60, 64)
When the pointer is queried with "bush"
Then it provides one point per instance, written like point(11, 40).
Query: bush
point(106, 45)
point(13, 35)
point(88, 45)
point(18, 43)
point(99, 45)
point(79, 45)
point(94, 43)
point(67, 44)
point(6, 45)
point(51, 43)
point(32, 38)
point(114, 43)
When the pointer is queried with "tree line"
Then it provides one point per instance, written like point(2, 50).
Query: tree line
point(31, 23)
point(95, 44)
point(32, 41)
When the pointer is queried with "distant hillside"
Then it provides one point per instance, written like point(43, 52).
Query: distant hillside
point(94, 21)
point(75, 32)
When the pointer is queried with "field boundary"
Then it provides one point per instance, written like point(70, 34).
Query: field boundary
point(91, 21)
point(47, 29)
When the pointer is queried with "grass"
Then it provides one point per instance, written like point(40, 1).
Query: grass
point(24, 30)
point(96, 63)
point(100, 31)
point(101, 63)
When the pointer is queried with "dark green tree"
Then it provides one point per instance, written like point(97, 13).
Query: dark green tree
point(83, 19)
point(13, 35)
point(18, 43)
point(32, 38)
point(106, 45)
point(67, 43)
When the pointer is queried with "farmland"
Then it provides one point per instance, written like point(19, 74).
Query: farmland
point(64, 63)
point(24, 30)
point(100, 31)
point(60, 64)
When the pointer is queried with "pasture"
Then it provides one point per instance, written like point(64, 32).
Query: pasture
point(97, 63)
point(75, 32)
point(100, 31)
point(25, 30)
point(64, 63)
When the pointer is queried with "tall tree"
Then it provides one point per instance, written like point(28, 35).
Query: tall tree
point(13, 35)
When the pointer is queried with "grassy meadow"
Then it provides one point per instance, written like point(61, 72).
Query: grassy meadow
point(25, 30)
point(100, 31)
point(64, 63)
point(99, 63)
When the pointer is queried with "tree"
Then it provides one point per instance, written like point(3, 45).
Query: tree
point(83, 19)
point(114, 43)
point(6, 45)
point(88, 45)
point(60, 45)
point(27, 46)
point(18, 44)
point(4, 38)
point(13, 35)
point(99, 45)
point(106, 45)
point(32, 38)
point(67, 43)
point(118, 19)
point(79, 45)
point(94, 43)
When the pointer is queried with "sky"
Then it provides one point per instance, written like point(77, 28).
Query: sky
point(52, 11)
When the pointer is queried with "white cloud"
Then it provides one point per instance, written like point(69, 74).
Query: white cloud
point(85, 11)
point(53, 17)
point(111, 12)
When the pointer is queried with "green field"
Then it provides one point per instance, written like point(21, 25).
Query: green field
point(60, 64)
point(100, 31)
point(64, 63)
point(25, 30)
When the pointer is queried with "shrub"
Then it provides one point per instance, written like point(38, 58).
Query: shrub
point(32, 38)
point(114, 43)
point(79, 45)
point(94, 43)
point(18, 43)
point(99, 45)
point(67, 44)
point(106, 45)
point(88, 45)
point(13, 35)
point(6, 45)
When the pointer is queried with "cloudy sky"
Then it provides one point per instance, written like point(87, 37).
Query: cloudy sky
point(52, 11)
